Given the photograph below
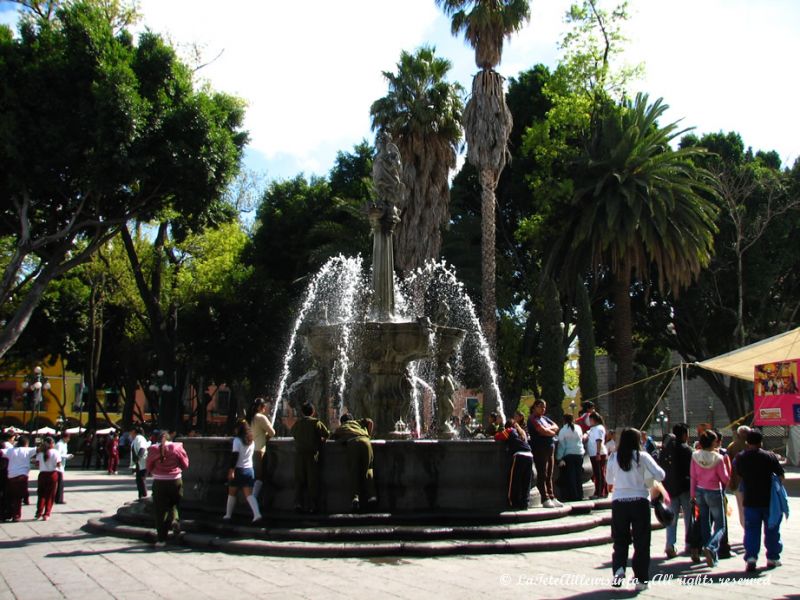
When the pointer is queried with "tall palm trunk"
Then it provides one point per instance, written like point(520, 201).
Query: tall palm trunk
point(623, 341)
point(488, 182)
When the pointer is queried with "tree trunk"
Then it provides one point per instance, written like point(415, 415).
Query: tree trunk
point(14, 326)
point(623, 342)
point(488, 181)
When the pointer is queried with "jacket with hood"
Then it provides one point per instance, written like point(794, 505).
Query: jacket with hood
point(709, 471)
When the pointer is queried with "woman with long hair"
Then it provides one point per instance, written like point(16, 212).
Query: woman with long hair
point(166, 461)
point(262, 433)
point(569, 453)
point(240, 473)
point(49, 462)
point(709, 474)
point(628, 473)
point(542, 432)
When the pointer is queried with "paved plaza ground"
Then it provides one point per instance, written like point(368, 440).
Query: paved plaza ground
point(58, 559)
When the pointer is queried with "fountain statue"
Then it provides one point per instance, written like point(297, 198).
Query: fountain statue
point(379, 387)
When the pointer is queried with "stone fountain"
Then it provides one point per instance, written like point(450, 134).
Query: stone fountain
point(438, 474)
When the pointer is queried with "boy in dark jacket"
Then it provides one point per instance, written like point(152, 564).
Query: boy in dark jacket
point(358, 448)
point(309, 435)
point(756, 466)
point(676, 461)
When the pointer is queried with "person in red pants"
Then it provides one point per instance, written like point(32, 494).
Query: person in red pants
point(19, 466)
point(49, 462)
point(112, 452)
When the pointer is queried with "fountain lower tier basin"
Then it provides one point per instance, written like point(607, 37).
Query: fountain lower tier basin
point(418, 475)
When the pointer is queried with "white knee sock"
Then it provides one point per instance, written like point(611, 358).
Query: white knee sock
point(230, 506)
point(257, 487)
point(251, 500)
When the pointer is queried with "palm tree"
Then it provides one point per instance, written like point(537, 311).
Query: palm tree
point(487, 119)
point(640, 209)
point(422, 111)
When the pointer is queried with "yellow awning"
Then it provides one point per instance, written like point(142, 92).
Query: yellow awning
point(741, 363)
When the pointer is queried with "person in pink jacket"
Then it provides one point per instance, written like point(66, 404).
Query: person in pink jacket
point(166, 461)
point(709, 474)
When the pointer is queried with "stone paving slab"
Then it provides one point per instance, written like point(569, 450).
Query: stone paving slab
point(58, 559)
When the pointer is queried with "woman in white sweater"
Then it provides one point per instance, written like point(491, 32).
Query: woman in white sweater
point(628, 473)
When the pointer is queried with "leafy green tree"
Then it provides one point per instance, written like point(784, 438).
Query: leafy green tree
point(638, 206)
point(755, 287)
point(487, 119)
point(138, 138)
point(422, 112)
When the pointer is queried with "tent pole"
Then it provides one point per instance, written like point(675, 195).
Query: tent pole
point(683, 394)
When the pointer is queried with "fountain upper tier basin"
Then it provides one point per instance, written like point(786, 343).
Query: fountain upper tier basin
point(386, 346)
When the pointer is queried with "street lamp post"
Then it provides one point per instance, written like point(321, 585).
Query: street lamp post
point(711, 411)
point(158, 386)
point(35, 384)
point(663, 420)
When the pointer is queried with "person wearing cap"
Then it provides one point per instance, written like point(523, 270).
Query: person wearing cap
point(358, 448)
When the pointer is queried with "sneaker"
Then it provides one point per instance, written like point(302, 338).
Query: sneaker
point(257, 520)
point(671, 552)
point(751, 565)
point(160, 544)
point(711, 560)
point(557, 503)
point(548, 504)
point(44, 518)
point(771, 564)
point(619, 577)
point(641, 586)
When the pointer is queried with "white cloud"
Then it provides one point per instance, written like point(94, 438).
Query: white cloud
point(309, 70)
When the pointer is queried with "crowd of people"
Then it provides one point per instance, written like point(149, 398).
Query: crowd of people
point(628, 467)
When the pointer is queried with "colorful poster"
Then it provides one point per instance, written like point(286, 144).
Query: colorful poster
point(777, 397)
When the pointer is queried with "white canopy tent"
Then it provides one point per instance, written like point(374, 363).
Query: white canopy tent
point(741, 364)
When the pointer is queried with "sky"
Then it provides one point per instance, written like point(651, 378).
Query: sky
point(309, 71)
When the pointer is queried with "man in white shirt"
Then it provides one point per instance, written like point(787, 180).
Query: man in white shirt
point(62, 447)
point(139, 447)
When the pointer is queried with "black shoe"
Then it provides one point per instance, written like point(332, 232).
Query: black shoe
point(356, 506)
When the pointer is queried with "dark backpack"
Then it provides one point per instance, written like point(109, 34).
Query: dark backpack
point(666, 456)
